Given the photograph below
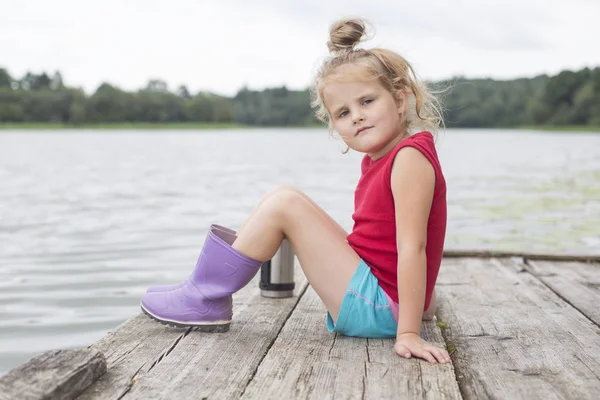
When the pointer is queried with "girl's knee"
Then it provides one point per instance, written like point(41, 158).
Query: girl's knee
point(288, 197)
point(279, 189)
point(284, 201)
point(281, 194)
point(275, 190)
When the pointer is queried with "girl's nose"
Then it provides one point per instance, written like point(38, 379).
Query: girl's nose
point(357, 118)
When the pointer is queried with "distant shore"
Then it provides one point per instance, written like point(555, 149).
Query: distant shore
point(213, 126)
point(566, 128)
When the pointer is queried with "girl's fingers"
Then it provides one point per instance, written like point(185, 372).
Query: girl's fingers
point(402, 351)
point(430, 353)
point(439, 354)
point(426, 355)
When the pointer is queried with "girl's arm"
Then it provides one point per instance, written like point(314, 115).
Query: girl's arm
point(413, 182)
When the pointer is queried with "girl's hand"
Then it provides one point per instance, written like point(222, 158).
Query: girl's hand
point(411, 344)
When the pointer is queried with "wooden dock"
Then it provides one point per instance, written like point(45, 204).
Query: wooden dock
point(518, 327)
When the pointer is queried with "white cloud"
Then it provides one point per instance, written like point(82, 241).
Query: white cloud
point(223, 45)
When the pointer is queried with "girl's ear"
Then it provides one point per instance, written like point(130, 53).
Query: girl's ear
point(400, 98)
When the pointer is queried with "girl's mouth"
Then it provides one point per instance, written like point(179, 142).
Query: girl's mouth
point(362, 130)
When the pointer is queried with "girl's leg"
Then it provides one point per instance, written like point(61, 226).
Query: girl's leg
point(277, 189)
point(427, 315)
point(318, 241)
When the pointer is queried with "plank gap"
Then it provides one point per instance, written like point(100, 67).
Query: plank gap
point(300, 295)
point(456, 366)
point(516, 338)
point(131, 382)
point(530, 270)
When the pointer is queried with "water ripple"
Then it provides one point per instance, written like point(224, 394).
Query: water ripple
point(88, 221)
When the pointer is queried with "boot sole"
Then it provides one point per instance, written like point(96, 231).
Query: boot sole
point(201, 327)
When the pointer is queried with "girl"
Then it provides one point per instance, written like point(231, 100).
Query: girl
point(379, 280)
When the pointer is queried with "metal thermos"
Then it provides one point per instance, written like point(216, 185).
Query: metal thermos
point(277, 274)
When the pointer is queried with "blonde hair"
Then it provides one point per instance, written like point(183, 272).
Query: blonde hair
point(391, 70)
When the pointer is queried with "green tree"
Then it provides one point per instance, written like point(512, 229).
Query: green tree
point(200, 108)
point(110, 104)
point(570, 97)
point(77, 108)
point(10, 106)
point(56, 82)
point(5, 79)
point(183, 92)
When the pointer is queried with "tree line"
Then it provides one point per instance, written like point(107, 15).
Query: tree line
point(568, 98)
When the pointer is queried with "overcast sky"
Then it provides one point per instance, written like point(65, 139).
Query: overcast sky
point(222, 45)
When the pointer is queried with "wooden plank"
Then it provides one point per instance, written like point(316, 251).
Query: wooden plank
point(577, 283)
point(55, 374)
point(138, 343)
point(197, 364)
point(307, 361)
point(588, 258)
point(515, 338)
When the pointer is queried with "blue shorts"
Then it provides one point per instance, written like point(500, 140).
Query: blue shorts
point(365, 310)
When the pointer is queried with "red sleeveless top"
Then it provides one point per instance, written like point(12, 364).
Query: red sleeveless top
point(373, 236)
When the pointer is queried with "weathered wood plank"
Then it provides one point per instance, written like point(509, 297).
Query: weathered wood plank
point(140, 344)
point(55, 374)
point(515, 338)
point(577, 283)
point(588, 258)
point(205, 365)
point(307, 361)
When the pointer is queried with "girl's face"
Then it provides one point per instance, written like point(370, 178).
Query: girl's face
point(366, 116)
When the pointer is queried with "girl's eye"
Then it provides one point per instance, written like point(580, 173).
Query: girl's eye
point(367, 101)
point(343, 114)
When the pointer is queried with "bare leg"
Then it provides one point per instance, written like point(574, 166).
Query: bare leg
point(285, 187)
point(430, 312)
point(319, 242)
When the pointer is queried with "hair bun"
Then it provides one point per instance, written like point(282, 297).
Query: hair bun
point(345, 34)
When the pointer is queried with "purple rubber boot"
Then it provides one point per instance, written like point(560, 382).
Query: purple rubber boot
point(229, 237)
point(204, 300)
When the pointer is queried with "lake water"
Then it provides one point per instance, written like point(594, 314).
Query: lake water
point(89, 219)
